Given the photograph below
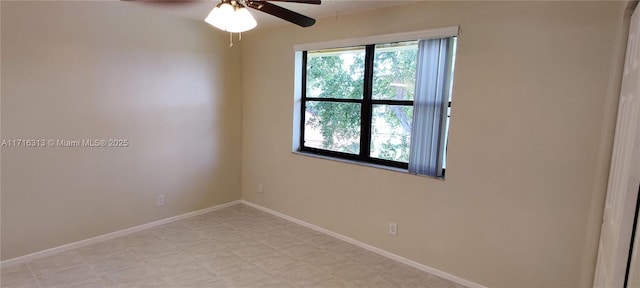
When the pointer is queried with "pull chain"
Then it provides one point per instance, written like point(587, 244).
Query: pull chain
point(231, 38)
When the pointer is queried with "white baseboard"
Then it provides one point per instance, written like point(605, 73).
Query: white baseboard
point(111, 235)
point(127, 231)
point(373, 249)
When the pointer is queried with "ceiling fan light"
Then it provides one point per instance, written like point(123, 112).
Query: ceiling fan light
point(242, 21)
point(221, 16)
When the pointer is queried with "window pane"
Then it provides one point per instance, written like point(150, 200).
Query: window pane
point(394, 72)
point(332, 126)
point(336, 73)
point(391, 132)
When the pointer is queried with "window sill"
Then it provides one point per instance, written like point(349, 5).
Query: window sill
point(366, 164)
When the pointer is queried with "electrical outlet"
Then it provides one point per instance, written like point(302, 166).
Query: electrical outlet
point(393, 229)
point(260, 190)
point(160, 200)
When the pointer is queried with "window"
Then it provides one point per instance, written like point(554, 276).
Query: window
point(386, 103)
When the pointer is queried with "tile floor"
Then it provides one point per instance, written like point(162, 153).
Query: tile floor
point(238, 246)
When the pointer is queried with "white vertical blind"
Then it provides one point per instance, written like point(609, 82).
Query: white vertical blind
point(430, 107)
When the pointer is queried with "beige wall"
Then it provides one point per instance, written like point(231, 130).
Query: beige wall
point(534, 109)
point(634, 265)
point(534, 100)
point(92, 70)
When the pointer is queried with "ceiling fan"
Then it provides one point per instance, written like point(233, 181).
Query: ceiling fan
point(232, 16)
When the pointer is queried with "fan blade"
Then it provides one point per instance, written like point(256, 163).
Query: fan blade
point(316, 2)
point(282, 13)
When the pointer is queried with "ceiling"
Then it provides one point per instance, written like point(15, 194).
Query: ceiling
point(330, 8)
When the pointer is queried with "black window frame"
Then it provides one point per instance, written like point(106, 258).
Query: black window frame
point(366, 105)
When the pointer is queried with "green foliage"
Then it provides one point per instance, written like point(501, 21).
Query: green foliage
point(339, 124)
point(327, 78)
point(335, 76)
point(396, 152)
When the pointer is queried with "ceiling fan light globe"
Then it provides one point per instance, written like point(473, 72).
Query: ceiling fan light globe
point(221, 16)
point(242, 21)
